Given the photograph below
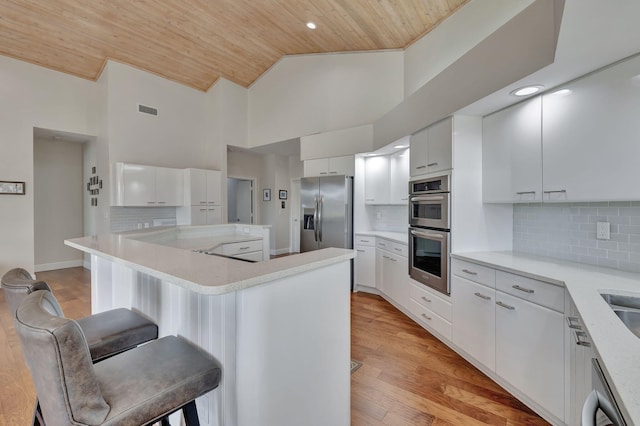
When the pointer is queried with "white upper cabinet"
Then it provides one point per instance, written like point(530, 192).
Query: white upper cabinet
point(512, 154)
point(376, 180)
point(590, 137)
point(399, 172)
point(142, 185)
point(439, 147)
point(386, 179)
point(431, 148)
point(343, 165)
point(418, 160)
point(202, 187)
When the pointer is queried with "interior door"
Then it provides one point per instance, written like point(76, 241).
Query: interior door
point(333, 216)
point(309, 190)
point(245, 201)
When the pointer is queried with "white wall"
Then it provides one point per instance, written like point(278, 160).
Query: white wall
point(308, 94)
point(58, 198)
point(32, 96)
point(350, 141)
point(175, 138)
point(431, 54)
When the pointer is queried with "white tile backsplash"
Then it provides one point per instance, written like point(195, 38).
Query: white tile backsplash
point(128, 218)
point(568, 231)
point(388, 218)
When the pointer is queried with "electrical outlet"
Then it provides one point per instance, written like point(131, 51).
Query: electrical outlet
point(378, 215)
point(603, 230)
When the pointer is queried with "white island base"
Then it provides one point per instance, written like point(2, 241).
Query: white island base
point(284, 345)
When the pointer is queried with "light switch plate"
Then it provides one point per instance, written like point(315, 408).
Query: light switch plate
point(603, 230)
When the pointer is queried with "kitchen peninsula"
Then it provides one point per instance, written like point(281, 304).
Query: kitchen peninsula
point(280, 328)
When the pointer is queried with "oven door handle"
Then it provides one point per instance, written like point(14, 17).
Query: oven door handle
point(429, 198)
point(425, 235)
point(590, 408)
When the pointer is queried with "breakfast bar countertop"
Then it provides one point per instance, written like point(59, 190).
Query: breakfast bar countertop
point(169, 258)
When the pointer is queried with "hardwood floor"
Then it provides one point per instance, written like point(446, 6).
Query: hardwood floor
point(407, 376)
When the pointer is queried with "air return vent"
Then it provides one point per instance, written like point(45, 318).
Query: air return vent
point(147, 110)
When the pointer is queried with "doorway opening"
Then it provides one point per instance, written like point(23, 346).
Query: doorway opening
point(240, 200)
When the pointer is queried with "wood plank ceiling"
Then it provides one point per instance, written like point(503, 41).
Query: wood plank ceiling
point(194, 42)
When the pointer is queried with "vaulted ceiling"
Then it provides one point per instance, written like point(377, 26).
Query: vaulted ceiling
point(194, 42)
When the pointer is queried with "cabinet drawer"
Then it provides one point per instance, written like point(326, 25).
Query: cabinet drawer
point(430, 301)
point(254, 256)
point(430, 319)
point(241, 247)
point(474, 272)
point(365, 240)
point(393, 247)
point(541, 293)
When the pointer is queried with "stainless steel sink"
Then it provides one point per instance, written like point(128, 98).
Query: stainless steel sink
point(627, 308)
point(631, 319)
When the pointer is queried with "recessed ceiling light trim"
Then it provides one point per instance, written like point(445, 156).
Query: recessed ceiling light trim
point(311, 25)
point(527, 90)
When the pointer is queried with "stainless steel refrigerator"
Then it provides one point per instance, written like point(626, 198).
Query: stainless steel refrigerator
point(327, 212)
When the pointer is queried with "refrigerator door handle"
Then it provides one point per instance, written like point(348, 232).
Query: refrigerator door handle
point(315, 219)
point(320, 220)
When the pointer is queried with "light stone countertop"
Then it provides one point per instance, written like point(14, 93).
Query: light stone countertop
point(398, 237)
point(617, 348)
point(199, 272)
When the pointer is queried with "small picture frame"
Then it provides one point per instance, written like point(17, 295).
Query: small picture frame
point(266, 195)
point(93, 170)
point(282, 194)
point(12, 188)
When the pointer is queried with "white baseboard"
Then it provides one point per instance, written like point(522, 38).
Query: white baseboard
point(58, 265)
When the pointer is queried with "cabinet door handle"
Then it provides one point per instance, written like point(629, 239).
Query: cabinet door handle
point(333, 173)
point(392, 259)
point(364, 241)
point(504, 305)
point(382, 244)
point(555, 192)
point(360, 251)
point(432, 164)
point(162, 202)
point(397, 249)
point(466, 271)
point(574, 323)
point(203, 210)
point(323, 173)
point(526, 290)
point(425, 299)
point(203, 202)
point(151, 202)
point(581, 338)
point(421, 167)
point(425, 316)
point(482, 296)
point(525, 192)
point(244, 248)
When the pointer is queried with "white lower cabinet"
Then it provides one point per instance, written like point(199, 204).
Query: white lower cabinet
point(432, 311)
point(529, 346)
point(395, 277)
point(365, 267)
point(474, 320)
point(580, 367)
point(514, 327)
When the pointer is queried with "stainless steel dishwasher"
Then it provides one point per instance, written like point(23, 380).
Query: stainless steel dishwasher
point(600, 408)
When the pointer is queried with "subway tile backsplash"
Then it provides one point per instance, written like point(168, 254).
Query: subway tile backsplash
point(128, 218)
point(568, 231)
point(388, 218)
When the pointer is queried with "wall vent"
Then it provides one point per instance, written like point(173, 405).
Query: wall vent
point(147, 110)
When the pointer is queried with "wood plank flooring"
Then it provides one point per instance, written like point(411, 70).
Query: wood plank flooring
point(407, 376)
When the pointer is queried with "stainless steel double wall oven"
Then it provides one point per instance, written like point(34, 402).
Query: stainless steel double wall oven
point(429, 231)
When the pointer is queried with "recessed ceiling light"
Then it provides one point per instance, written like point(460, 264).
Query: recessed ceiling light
point(526, 91)
point(311, 25)
point(400, 146)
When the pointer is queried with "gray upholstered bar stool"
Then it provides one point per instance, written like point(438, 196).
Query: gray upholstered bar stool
point(137, 387)
point(107, 333)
